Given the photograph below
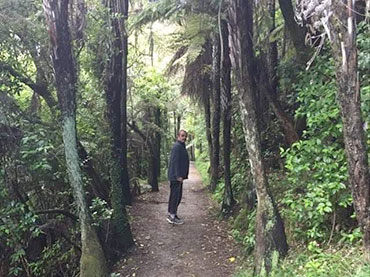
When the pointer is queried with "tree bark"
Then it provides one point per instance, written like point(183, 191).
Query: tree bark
point(270, 234)
point(92, 261)
point(343, 36)
point(228, 199)
point(125, 175)
point(297, 33)
point(121, 237)
point(216, 112)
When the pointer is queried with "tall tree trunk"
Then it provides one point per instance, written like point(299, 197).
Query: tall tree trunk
point(174, 125)
point(153, 171)
point(207, 119)
point(296, 32)
point(125, 176)
point(92, 261)
point(206, 60)
point(272, 51)
point(228, 199)
point(343, 37)
point(216, 112)
point(121, 237)
point(178, 124)
point(270, 234)
point(158, 138)
point(155, 149)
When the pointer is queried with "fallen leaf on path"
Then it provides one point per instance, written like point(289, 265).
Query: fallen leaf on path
point(232, 259)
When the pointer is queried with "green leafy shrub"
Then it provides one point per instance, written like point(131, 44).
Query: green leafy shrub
point(244, 229)
point(317, 168)
point(318, 262)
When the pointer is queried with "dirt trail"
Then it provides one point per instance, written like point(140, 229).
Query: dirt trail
point(201, 247)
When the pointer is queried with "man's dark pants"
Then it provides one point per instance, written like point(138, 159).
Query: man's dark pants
point(175, 196)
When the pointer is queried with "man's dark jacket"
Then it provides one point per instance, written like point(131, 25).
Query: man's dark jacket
point(179, 162)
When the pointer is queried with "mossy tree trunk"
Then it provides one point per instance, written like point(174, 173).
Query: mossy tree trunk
point(228, 199)
point(93, 262)
point(121, 237)
point(343, 43)
point(270, 234)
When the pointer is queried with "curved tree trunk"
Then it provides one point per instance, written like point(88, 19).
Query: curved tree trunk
point(92, 261)
point(270, 234)
point(343, 36)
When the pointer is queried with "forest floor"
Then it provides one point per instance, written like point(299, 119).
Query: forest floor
point(201, 247)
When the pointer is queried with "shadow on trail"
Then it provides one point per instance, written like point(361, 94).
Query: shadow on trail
point(201, 247)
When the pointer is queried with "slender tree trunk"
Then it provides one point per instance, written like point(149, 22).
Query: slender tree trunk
point(272, 51)
point(174, 125)
point(343, 37)
point(270, 234)
point(268, 81)
point(290, 133)
point(154, 149)
point(228, 199)
point(92, 261)
point(207, 118)
point(125, 176)
point(178, 124)
point(216, 112)
point(157, 121)
point(153, 171)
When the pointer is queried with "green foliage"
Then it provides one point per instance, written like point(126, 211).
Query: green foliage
point(316, 165)
point(318, 261)
point(53, 258)
point(202, 165)
point(17, 227)
point(100, 211)
point(244, 229)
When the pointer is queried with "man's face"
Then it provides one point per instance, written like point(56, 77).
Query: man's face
point(182, 136)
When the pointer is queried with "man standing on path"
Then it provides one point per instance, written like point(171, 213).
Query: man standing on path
point(178, 171)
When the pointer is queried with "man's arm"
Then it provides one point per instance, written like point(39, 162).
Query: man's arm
point(177, 163)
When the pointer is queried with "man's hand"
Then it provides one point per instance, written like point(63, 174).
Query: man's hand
point(180, 179)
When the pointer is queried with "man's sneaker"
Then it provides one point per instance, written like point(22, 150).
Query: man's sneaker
point(178, 220)
point(170, 219)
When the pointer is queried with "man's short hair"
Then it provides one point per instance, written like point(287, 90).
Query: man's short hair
point(179, 132)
